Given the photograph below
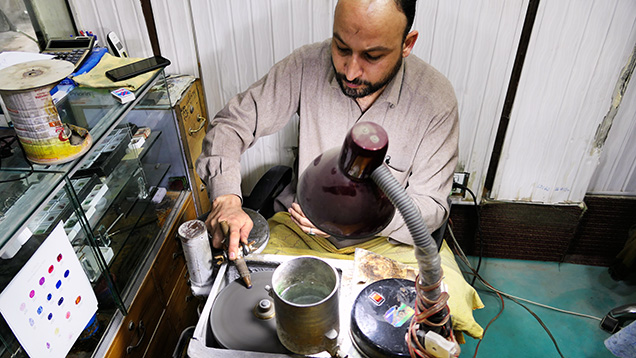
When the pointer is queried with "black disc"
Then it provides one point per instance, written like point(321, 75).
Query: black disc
point(380, 318)
point(233, 322)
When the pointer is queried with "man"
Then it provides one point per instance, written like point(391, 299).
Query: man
point(364, 73)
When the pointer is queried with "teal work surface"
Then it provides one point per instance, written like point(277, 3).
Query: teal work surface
point(516, 333)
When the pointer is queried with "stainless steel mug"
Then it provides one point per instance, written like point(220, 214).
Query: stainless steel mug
point(305, 292)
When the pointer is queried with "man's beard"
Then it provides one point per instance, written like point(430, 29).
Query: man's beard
point(368, 87)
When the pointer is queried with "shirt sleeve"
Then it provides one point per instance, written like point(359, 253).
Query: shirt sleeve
point(431, 178)
point(263, 109)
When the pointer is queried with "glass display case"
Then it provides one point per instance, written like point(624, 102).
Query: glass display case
point(112, 202)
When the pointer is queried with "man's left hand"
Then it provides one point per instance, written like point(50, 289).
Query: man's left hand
point(305, 225)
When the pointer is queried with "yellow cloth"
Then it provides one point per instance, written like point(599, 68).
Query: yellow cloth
point(96, 78)
point(286, 238)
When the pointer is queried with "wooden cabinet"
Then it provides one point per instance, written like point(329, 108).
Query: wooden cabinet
point(163, 306)
point(193, 120)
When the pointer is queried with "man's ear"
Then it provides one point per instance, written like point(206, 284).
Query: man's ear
point(409, 42)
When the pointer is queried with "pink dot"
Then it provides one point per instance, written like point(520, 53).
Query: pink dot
point(22, 306)
point(32, 293)
point(68, 315)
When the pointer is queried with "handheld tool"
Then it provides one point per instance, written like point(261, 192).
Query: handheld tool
point(240, 263)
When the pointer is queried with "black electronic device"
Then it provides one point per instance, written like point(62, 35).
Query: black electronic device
point(137, 68)
point(73, 49)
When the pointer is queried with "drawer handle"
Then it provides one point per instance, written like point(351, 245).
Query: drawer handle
point(199, 119)
point(142, 329)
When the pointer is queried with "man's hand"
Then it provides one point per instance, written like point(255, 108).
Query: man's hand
point(305, 225)
point(228, 208)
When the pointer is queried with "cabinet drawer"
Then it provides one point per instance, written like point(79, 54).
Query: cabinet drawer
point(164, 340)
point(200, 193)
point(193, 121)
point(138, 326)
point(182, 308)
point(170, 260)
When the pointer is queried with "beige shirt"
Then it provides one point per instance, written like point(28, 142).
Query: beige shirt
point(418, 109)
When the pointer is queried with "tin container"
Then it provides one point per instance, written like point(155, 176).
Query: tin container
point(25, 91)
point(305, 292)
point(197, 252)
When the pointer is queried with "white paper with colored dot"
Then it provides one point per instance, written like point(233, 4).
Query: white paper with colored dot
point(50, 301)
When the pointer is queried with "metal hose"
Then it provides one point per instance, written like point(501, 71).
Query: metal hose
point(426, 252)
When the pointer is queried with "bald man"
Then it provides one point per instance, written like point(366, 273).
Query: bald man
point(363, 73)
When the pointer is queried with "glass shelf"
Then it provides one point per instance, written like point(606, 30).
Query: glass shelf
point(104, 199)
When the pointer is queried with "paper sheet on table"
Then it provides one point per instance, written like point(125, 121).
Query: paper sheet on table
point(50, 301)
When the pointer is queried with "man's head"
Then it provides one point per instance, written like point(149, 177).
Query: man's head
point(370, 39)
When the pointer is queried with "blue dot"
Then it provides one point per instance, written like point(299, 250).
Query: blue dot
point(31, 322)
point(40, 309)
point(58, 284)
point(59, 303)
point(50, 316)
point(66, 273)
point(49, 296)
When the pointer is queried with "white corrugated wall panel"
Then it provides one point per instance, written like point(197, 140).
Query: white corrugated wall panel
point(616, 173)
point(175, 36)
point(124, 17)
point(474, 44)
point(574, 57)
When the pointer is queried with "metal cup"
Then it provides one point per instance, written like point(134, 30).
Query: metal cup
point(305, 292)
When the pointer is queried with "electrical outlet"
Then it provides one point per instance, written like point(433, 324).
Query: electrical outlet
point(460, 178)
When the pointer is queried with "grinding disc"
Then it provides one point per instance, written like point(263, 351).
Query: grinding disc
point(233, 322)
point(34, 74)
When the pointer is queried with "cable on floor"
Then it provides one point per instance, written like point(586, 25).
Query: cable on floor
point(464, 259)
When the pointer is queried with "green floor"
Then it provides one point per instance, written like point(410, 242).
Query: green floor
point(583, 289)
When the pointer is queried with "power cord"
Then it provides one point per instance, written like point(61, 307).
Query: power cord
point(460, 253)
point(478, 231)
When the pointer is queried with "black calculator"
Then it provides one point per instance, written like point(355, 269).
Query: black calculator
point(74, 49)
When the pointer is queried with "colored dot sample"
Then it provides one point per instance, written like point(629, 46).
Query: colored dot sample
point(49, 296)
point(78, 299)
point(32, 293)
point(31, 322)
point(48, 345)
point(42, 281)
point(51, 268)
point(40, 309)
point(68, 314)
point(59, 303)
point(66, 273)
point(50, 316)
point(59, 257)
point(58, 284)
point(22, 306)
point(57, 330)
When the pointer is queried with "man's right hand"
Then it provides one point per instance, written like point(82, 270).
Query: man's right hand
point(228, 208)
